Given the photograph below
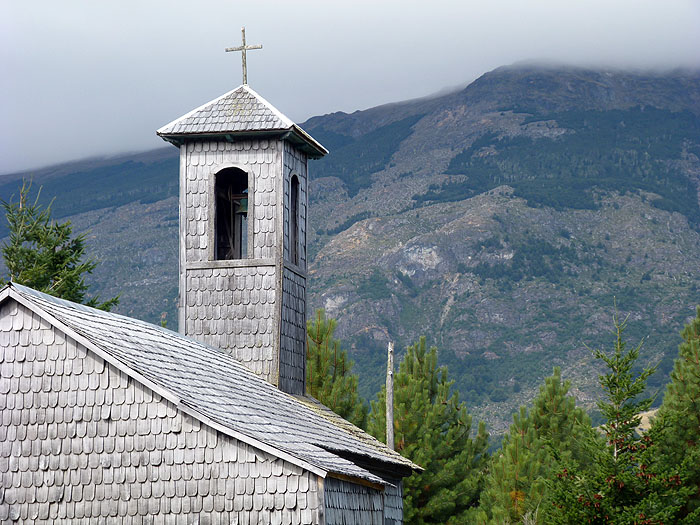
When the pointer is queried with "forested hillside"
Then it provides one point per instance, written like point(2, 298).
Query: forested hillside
point(502, 221)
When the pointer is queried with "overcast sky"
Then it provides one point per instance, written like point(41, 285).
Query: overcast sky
point(82, 78)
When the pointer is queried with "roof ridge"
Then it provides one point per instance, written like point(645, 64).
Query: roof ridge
point(286, 120)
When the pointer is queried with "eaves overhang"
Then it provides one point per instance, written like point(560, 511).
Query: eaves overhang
point(294, 135)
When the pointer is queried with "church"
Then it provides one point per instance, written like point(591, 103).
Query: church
point(109, 419)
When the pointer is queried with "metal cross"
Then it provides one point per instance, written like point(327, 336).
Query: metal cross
point(243, 49)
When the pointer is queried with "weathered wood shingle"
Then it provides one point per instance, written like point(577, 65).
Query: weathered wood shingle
point(232, 305)
point(241, 109)
point(347, 503)
point(202, 160)
point(292, 366)
point(295, 164)
point(233, 309)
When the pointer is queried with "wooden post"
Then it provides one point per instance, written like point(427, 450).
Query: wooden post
point(390, 396)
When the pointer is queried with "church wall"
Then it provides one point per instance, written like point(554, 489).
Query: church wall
point(347, 502)
point(293, 308)
point(232, 305)
point(295, 164)
point(293, 333)
point(234, 309)
point(203, 160)
point(393, 503)
point(81, 442)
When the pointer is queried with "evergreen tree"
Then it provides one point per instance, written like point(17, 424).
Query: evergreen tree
point(328, 371)
point(432, 428)
point(625, 483)
point(44, 254)
point(677, 422)
point(538, 440)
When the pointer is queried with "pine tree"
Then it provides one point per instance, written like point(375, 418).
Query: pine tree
point(44, 254)
point(329, 376)
point(432, 428)
point(537, 441)
point(625, 483)
point(677, 422)
point(513, 484)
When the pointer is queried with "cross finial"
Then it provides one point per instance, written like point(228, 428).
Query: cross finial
point(243, 49)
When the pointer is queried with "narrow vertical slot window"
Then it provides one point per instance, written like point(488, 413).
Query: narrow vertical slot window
point(294, 220)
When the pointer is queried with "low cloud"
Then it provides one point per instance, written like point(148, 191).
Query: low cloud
point(84, 78)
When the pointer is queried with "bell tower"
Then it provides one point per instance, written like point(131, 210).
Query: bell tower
point(243, 212)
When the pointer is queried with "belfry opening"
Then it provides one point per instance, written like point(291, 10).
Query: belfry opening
point(231, 208)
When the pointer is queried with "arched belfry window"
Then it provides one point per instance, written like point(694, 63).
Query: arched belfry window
point(231, 208)
point(294, 220)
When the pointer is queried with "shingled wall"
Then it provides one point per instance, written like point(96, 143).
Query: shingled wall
point(232, 305)
point(80, 440)
point(203, 159)
point(393, 503)
point(293, 319)
point(234, 309)
point(293, 336)
point(350, 503)
point(235, 305)
point(295, 164)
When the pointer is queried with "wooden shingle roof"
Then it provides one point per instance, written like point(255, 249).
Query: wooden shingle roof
point(240, 112)
point(212, 386)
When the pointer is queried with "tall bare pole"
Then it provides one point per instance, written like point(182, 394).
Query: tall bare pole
point(390, 396)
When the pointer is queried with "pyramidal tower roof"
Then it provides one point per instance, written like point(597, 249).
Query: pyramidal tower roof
point(239, 113)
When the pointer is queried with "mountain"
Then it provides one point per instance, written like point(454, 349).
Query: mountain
point(504, 221)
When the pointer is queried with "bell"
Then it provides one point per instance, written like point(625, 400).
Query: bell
point(242, 206)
